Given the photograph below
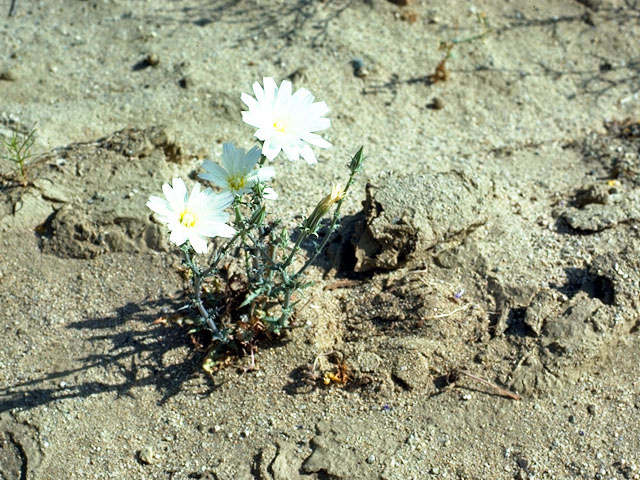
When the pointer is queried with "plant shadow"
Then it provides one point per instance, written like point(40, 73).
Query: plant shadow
point(137, 357)
point(287, 21)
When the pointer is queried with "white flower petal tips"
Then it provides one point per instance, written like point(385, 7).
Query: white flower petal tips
point(286, 122)
point(192, 217)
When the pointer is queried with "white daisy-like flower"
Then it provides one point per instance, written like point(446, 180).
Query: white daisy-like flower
point(286, 122)
point(192, 217)
point(237, 176)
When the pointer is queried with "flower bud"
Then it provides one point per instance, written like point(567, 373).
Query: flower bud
point(284, 236)
point(258, 216)
point(323, 207)
point(356, 162)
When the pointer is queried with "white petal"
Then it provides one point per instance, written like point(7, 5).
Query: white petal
point(179, 188)
point(196, 197)
point(176, 195)
point(216, 229)
point(215, 173)
point(198, 243)
point(178, 235)
point(319, 109)
point(258, 92)
point(317, 124)
point(302, 97)
point(249, 101)
point(159, 206)
point(265, 174)
point(229, 153)
point(254, 153)
point(308, 155)
point(270, 90)
point(218, 202)
point(271, 148)
point(264, 133)
point(291, 151)
point(227, 197)
point(316, 140)
point(270, 194)
point(283, 95)
point(252, 119)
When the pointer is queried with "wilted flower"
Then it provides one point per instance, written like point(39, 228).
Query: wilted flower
point(286, 122)
point(323, 207)
point(236, 176)
point(192, 217)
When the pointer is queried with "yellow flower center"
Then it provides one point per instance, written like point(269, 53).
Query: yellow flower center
point(237, 182)
point(280, 125)
point(188, 218)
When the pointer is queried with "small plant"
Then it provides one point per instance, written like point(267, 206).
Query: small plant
point(238, 302)
point(441, 74)
point(18, 150)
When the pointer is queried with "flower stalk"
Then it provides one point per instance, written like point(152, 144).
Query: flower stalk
point(265, 302)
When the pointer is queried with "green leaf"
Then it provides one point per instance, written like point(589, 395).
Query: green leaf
point(252, 296)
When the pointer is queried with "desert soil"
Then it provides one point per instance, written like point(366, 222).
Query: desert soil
point(492, 235)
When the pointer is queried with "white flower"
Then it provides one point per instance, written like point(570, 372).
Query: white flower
point(236, 176)
point(285, 121)
point(192, 217)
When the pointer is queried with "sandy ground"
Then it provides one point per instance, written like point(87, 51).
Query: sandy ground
point(494, 231)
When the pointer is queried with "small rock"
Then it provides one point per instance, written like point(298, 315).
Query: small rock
point(8, 75)
point(186, 82)
point(359, 69)
point(371, 458)
point(153, 59)
point(436, 104)
point(145, 456)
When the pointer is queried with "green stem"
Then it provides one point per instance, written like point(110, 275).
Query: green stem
point(197, 286)
point(303, 234)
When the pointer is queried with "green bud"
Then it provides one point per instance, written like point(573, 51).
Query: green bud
point(258, 216)
point(356, 162)
point(284, 236)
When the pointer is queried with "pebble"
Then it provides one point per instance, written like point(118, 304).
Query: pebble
point(146, 455)
point(8, 75)
point(359, 70)
point(186, 82)
point(436, 104)
point(371, 458)
point(153, 59)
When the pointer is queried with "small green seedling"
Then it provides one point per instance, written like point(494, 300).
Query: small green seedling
point(18, 149)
